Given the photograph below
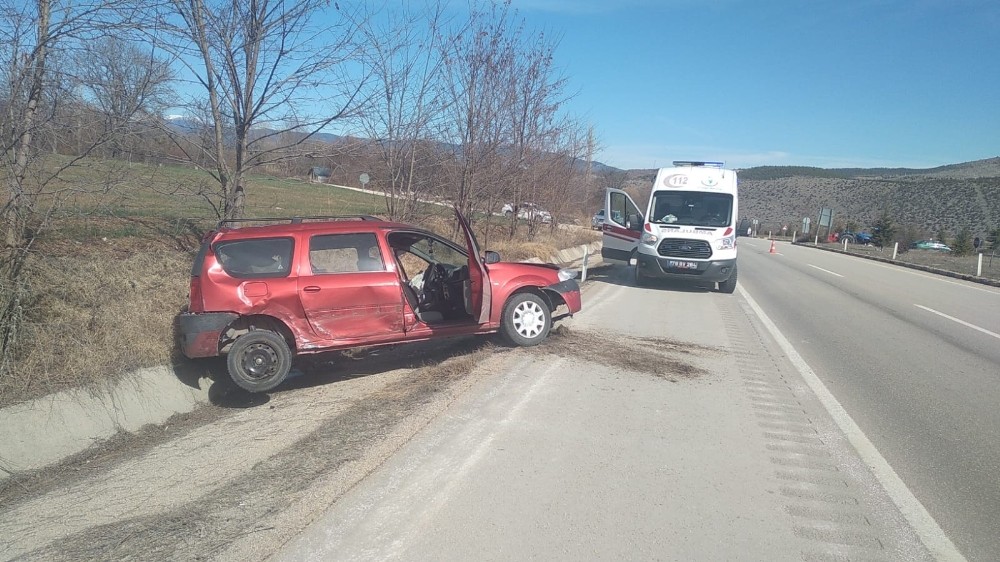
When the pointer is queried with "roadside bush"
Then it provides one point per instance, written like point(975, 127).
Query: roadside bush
point(883, 231)
point(963, 242)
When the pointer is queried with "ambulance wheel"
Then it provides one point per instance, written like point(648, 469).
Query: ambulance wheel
point(638, 278)
point(729, 285)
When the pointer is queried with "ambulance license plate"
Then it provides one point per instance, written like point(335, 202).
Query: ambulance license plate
point(682, 264)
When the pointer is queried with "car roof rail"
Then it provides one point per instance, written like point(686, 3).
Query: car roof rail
point(235, 223)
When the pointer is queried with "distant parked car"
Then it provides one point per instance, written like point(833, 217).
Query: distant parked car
point(855, 237)
point(597, 221)
point(930, 245)
point(528, 212)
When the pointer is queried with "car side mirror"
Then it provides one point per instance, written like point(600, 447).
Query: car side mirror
point(489, 256)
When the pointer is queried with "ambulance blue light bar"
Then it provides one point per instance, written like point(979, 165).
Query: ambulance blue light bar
point(704, 164)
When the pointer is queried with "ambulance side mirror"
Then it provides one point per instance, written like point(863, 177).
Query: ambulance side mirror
point(634, 222)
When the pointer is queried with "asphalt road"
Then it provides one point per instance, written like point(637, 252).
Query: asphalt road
point(666, 425)
point(913, 358)
point(661, 423)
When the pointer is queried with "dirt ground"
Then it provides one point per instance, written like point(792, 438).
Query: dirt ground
point(237, 479)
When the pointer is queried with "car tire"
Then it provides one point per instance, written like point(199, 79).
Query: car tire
point(507, 214)
point(526, 320)
point(259, 360)
point(729, 285)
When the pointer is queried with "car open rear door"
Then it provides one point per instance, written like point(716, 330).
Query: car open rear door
point(481, 291)
point(622, 226)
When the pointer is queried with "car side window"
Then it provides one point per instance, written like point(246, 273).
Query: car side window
point(345, 253)
point(256, 258)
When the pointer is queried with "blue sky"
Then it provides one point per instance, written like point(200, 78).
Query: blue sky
point(828, 83)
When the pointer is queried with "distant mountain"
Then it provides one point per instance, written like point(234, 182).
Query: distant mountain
point(948, 197)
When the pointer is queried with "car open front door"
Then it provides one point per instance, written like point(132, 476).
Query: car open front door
point(622, 226)
point(479, 280)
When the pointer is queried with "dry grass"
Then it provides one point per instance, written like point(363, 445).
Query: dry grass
point(95, 314)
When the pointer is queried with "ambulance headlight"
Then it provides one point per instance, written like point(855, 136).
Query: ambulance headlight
point(726, 243)
point(649, 238)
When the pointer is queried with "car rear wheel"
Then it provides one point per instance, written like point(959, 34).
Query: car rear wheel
point(259, 360)
point(526, 320)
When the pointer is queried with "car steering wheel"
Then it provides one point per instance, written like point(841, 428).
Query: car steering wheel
point(431, 292)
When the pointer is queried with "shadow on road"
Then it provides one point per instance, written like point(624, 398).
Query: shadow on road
point(624, 276)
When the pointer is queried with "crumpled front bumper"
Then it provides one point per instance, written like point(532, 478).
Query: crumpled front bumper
point(568, 292)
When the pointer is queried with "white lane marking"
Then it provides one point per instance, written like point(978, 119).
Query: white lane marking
point(824, 270)
point(930, 533)
point(903, 269)
point(962, 322)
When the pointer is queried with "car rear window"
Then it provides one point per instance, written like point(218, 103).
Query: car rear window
point(256, 257)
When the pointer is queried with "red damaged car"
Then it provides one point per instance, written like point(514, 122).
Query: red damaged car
point(263, 294)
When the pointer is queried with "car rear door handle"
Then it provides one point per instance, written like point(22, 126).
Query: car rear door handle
point(311, 289)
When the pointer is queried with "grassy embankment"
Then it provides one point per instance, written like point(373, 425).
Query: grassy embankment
point(111, 270)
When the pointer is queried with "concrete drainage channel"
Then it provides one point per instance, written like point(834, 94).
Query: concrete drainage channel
point(41, 432)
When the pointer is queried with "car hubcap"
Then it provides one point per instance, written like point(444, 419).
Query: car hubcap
point(259, 361)
point(529, 319)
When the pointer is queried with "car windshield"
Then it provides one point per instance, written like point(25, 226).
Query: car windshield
point(691, 208)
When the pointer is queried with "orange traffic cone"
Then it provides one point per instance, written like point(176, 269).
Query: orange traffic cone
point(772, 247)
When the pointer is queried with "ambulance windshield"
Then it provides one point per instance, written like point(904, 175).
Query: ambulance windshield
point(691, 208)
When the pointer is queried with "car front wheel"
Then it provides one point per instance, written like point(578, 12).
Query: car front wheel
point(259, 360)
point(526, 320)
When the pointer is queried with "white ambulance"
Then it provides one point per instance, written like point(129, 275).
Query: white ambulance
point(688, 231)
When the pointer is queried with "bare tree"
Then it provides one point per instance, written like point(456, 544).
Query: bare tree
point(32, 36)
point(535, 96)
point(478, 57)
point(267, 68)
point(504, 99)
point(123, 81)
point(405, 63)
